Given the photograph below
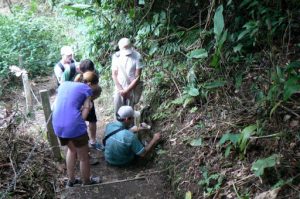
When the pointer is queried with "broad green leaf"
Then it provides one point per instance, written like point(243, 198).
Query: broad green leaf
point(245, 135)
point(279, 74)
point(291, 86)
point(219, 21)
point(229, 137)
point(178, 101)
point(193, 110)
point(238, 48)
point(198, 54)
point(221, 40)
point(132, 13)
point(193, 91)
point(188, 195)
point(242, 34)
point(293, 65)
point(188, 100)
point(214, 84)
point(141, 2)
point(259, 166)
point(227, 151)
point(224, 138)
point(215, 60)
point(196, 142)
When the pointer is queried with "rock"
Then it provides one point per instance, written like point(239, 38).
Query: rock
point(286, 118)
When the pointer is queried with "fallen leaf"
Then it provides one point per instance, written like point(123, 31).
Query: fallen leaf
point(271, 194)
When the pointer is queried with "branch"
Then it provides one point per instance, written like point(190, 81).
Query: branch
point(290, 110)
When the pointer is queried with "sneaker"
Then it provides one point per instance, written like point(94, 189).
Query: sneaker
point(97, 146)
point(93, 181)
point(72, 183)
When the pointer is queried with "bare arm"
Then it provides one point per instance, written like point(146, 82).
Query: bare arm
point(87, 105)
point(115, 79)
point(58, 73)
point(133, 84)
point(151, 145)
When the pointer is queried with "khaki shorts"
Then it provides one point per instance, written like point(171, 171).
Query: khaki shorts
point(78, 141)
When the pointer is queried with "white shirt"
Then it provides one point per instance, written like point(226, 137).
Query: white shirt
point(58, 72)
point(129, 63)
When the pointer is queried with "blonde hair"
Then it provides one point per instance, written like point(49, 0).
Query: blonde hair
point(87, 77)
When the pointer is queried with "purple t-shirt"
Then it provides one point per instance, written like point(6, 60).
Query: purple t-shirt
point(66, 119)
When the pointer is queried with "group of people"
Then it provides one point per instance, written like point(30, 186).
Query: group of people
point(74, 108)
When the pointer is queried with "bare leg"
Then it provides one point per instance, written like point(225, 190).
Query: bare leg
point(84, 163)
point(71, 160)
point(92, 131)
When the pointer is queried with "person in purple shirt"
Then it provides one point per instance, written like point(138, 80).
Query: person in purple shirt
point(71, 108)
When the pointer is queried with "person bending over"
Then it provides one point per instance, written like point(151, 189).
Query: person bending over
point(71, 108)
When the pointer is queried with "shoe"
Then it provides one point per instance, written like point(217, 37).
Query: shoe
point(93, 181)
point(97, 146)
point(72, 183)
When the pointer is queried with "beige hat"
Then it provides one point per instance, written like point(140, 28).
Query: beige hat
point(125, 46)
point(66, 50)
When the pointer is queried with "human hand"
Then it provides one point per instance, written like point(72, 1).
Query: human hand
point(124, 93)
point(156, 136)
point(134, 129)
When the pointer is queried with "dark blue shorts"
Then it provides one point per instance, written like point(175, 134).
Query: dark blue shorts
point(92, 115)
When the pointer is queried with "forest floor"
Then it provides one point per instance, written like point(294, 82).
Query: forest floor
point(142, 180)
point(183, 164)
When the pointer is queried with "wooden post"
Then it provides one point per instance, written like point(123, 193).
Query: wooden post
point(27, 90)
point(52, 139)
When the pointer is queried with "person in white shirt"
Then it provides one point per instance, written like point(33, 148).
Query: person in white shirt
point(67, 63)
point(126, 72)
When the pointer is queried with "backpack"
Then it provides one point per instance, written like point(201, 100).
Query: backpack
point(72, 71)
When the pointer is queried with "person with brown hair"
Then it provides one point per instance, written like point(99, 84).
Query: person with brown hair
point(88, 65)
point(72, 106)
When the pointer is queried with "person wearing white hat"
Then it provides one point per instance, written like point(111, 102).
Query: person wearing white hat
point(65, 69)
point(121, 143)
point(126, 71)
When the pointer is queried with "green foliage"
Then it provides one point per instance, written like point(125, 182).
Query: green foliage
point(285, 83)
point(36, 39)
point(239, 141)
point(261, 24)
point(197, 54)
point(260, 165)
point(210, 182)
point(220, 36)
point(191, 93)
